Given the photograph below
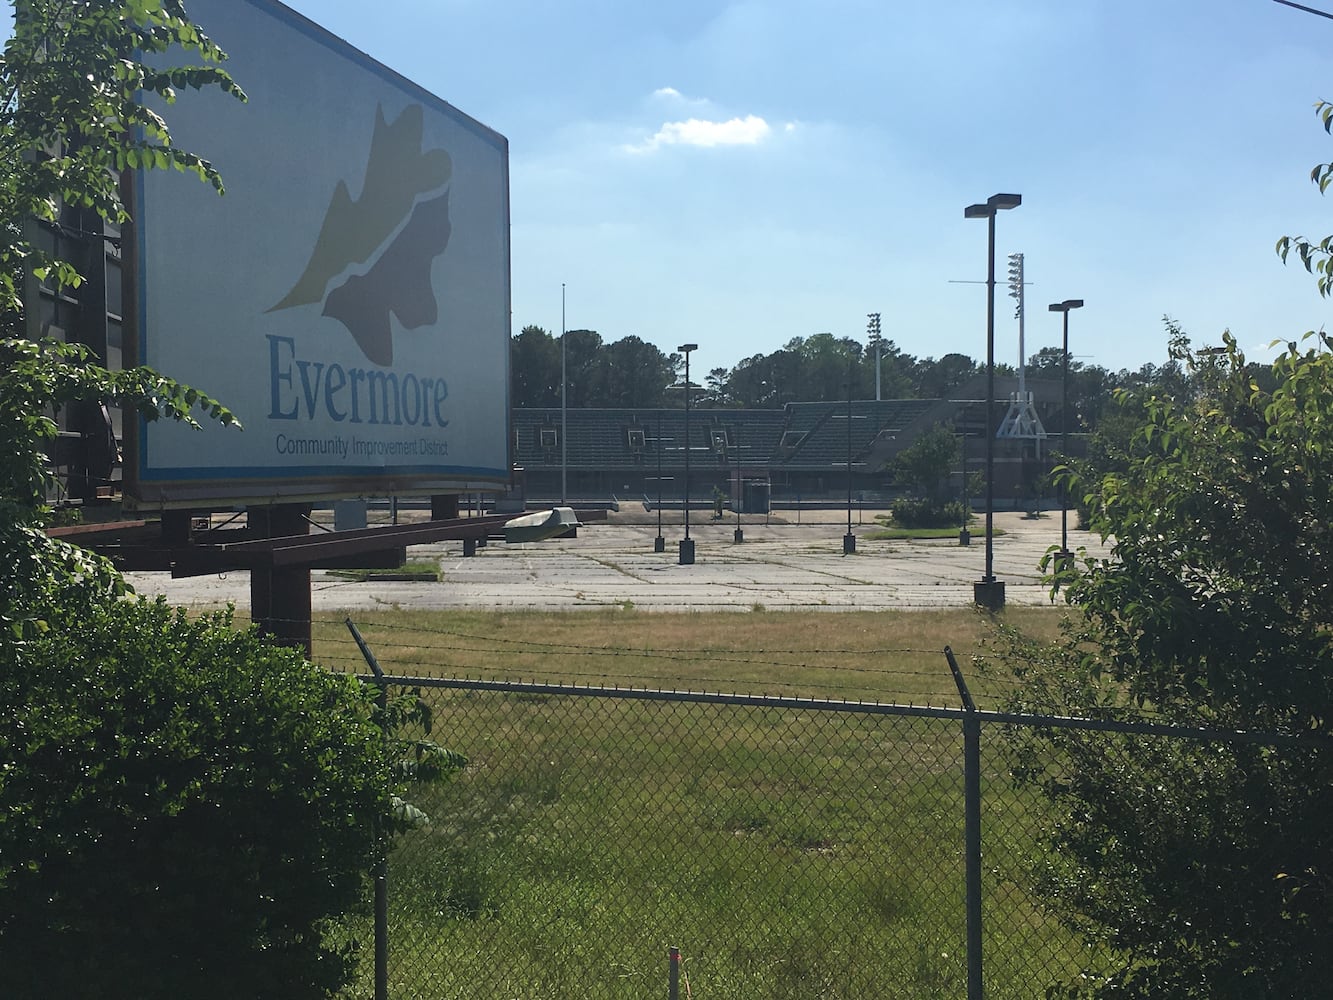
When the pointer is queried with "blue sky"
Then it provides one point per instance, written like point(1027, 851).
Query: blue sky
point(740, 173)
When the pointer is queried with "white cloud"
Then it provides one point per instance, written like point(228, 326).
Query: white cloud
point(748, 131)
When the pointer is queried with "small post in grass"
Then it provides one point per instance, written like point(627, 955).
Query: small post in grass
point(673, 973)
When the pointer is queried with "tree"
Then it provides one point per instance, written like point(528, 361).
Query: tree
point(1203, 865)
point(930, 460)
point(895, 379)
point(73, 116)
point(71, 119)
point(1317, 256)
point(633, 372)
point(184, 810)
point(936, 379)
point(534, 368)
point(717, 387)
point(584, 366)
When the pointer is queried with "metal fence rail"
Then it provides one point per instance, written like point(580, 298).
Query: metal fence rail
point(778, 847)
point(787, 847)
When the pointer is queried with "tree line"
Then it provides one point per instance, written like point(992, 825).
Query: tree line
point(631, 372)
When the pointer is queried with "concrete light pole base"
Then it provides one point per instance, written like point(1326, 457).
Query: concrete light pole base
point(964, 537)
point(659, 544)
point(739, 536)
point(687, 552)
point(989, 594)
point(848, 544)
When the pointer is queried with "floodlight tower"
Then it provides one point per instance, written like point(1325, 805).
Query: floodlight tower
point(1022, 420)
point(874, 340)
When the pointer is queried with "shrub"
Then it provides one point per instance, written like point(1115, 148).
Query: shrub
point(929, 514)
point(184, 810)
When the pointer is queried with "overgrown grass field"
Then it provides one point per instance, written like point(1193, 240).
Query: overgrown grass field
point(889, 656)
point(786, 852)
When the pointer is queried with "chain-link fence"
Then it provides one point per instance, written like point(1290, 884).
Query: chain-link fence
point(786, 846)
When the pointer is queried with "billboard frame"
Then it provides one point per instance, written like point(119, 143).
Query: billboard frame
point(221, 486)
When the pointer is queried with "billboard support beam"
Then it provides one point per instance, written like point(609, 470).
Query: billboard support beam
point(280, 595)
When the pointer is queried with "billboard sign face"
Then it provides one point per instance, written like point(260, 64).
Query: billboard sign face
point(348, 298)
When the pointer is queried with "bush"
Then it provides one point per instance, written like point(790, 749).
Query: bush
point(184, 810)
point(929, 514)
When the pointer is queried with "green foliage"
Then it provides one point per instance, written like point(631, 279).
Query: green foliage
point(1315, 255)
point(929, 461)
point(74, 76)
point(1202, 863)
point(628, 372)
point(929, 514)
point(1221, 524)
point(183, 809)
point(39, 377)
point(71, 115)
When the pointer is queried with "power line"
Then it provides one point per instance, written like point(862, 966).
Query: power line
point(1308, 10)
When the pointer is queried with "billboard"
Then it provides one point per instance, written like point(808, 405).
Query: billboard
point(348, 298)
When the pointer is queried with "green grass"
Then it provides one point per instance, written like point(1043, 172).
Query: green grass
point(787, 853)
point(422, 570)
point(891, 533)
point(889, 656)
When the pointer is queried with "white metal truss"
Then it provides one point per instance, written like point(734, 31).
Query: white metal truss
point(1021, 421)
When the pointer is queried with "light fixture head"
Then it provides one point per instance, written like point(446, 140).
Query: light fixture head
point(999, 201)
point(686, 348)
point(977, 212)
point(1066, 305)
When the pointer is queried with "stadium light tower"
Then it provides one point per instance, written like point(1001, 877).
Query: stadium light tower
point(873, 339)
point(687, 543)
point(1064, 556)
point(989, 592)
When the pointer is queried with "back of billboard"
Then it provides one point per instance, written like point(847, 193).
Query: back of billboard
point(348, 298)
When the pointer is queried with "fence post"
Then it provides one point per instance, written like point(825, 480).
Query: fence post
point(673, 974)
point(381, 866)
point(971, 827)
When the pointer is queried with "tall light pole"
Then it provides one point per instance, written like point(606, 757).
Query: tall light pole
point(849, 539)
point(564, 414)
point(1064, 555)
point(989, 592)
point(737, 498)
point(687, 543)
point(659, 543)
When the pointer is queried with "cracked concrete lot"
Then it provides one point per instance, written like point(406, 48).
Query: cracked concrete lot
point(781, 564)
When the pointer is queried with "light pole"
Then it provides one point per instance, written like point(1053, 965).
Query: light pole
point(965, 536)
point(687, 543)
point(659, 543)
point(1064, 556)
point(564, 414)
point(737, 497)
point(989, 592)
point(849, 539)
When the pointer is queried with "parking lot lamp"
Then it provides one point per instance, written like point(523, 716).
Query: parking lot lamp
point(1064, 555)
point(687, 543)
point(989, 592)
